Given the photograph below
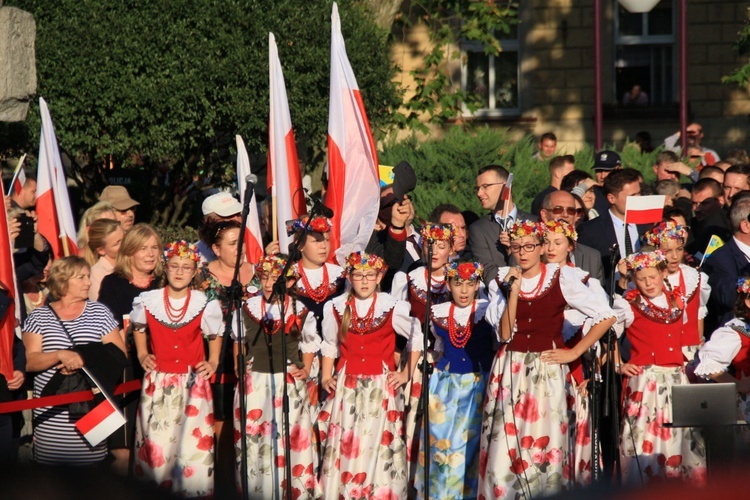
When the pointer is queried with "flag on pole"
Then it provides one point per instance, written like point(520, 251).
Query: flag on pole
point(284, 181)
point(505, 192)
point(713, 244)
point(644, 209)
point(386, 175)
point(19, 178)
point(253, 237)
point(54, 215)
point(7, 283)
point(353, 178)
point(98, 424)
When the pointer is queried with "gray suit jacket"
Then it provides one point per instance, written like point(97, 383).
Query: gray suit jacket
point(485, 245)
point(590, 260)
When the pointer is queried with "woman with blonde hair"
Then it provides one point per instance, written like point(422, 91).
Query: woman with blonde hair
point(138, 268)
point(104, 241)
point(101, 210)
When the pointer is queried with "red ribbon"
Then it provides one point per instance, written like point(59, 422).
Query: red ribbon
point(64, 399)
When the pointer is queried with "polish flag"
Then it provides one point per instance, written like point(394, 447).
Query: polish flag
point(19, 178)
point(8, 283)
point(283, 181)
point(253, 238)
point(644, 209)
point(98, 424)
point(54, 215)
point(353, 178)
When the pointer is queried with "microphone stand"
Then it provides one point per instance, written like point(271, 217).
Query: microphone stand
point(610, 408)
point(280, 293)
point(235, 304)
point(426, 369)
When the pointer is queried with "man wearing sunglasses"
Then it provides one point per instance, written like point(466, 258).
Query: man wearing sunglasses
point(560, 205)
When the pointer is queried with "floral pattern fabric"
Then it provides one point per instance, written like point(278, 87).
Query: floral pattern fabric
point(455, 407)
point(662, 452)
point(527, 426)
point(361, 433)
point(266, 460)
point(174, 444)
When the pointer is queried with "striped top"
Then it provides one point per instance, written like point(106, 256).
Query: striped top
point(56, 440)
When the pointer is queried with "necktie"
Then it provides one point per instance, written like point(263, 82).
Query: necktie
point(628, 241)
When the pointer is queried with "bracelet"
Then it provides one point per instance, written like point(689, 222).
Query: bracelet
point(397, 228)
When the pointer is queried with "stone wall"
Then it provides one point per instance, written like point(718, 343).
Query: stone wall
point(17, 63)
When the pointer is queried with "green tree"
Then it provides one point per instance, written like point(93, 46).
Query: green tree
point(170, 83)
point(741, 75)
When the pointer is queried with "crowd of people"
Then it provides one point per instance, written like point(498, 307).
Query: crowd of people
point(506, 311)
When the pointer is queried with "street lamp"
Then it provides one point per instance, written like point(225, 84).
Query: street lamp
point(638, 6)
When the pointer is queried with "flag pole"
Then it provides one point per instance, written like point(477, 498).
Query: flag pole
point(15, 174)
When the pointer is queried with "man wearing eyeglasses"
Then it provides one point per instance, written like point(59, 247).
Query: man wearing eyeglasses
point(488, 237)
point(560, 205)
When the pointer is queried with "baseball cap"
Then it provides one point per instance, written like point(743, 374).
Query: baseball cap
point(222, 204)
point(606, 160)
point(118, 197)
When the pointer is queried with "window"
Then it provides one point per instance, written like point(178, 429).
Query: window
point(645, 55)
point(494, 78)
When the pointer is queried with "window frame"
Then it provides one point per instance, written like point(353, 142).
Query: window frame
point(506, 45)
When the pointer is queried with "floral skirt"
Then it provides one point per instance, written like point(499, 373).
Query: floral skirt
point(526, 428)
point(455, 408)
point(647, 448)
point(361, 432)
point(174, 439)
point(582, 445)
point(266, 472)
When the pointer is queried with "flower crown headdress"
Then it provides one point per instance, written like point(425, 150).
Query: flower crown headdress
point(646, 260)
point(665, 231)
point(467, 271)
point(182, 249)
point(561, 227)
point(743, 285)
point(364, 261)
point(437, 232)
point(522, 228)
point(317, 225)
point(270, 264)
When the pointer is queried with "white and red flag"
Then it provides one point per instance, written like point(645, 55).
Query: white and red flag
point(253, 237)
point(98, 424)
point(54, 215)
point(644, 209)
point(7, 283)
point(353, 178)
point(19, 178)
point(283, 180)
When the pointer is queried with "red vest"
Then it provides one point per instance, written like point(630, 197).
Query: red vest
point(176, 349)
point(418, 300)
point(364, 354)
point(540, 320)
point(655, 341)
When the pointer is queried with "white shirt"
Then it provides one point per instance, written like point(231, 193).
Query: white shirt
point(507, 221)
point(619, 226)
point(745, 249)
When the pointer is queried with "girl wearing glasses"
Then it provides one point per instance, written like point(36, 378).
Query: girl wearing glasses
point(651, 316)
point(559, 242)
point(361, 423)
point(463, 358)
point(670, 238)
point(266, 473)
point(527, 425)
point(174, 444)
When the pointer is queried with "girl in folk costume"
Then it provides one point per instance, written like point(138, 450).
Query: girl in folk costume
point(691, 284)
point(318, 281)
point(559, 242)
point(730, 346)
point(361, 423)
point(463, 358)
point(526, 427)
point(174, 444)
point(266, 471)
point(651, 317)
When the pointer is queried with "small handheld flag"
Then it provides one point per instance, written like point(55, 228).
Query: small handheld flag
point(19, 178)
point(98, 424)
point(644, 209)
point(713, 244)
point(386, 175)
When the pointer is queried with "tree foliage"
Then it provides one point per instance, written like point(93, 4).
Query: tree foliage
point(171, 82)
point(741, 75)
point(450, 23)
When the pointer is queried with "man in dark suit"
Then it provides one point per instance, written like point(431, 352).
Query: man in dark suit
point(604, 231)
point(488, 237)
point(450, 214)
point(726, 265)
point(560, 205)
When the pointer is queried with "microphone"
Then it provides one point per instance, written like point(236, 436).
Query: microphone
point(508, 284)
point(250, 181)
point(614, 248)
point(318, 205)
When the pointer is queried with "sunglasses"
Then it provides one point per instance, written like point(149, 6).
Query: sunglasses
point(558, 210)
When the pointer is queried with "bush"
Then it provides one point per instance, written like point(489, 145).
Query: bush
point(446, 168)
